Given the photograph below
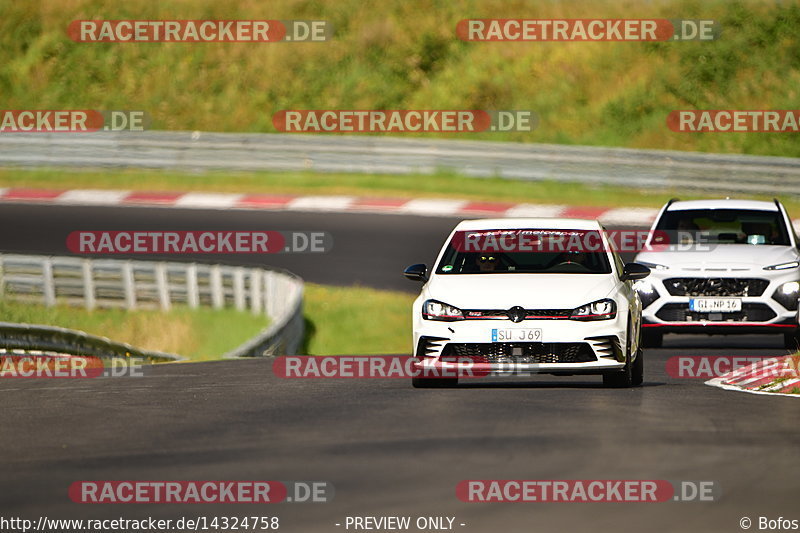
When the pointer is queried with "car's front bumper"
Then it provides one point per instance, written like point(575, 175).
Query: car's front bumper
point(565, 347)
point(669, 313)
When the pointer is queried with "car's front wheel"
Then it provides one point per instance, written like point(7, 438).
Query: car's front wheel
point(619, 380)
point(791, 340)
point(630, 376)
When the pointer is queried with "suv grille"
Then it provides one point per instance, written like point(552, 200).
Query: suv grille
point(523, 352)
point(751, 312)
point(715, 286)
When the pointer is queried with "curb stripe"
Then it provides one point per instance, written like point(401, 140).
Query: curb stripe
point(752, 377)
point(632, 216)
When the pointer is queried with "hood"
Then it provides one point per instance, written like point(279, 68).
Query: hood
point(722, 257)
point(531, 291)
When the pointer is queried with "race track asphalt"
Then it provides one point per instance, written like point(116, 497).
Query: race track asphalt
point(388, 449)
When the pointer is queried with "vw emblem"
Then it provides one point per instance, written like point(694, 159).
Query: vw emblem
point(516, 314)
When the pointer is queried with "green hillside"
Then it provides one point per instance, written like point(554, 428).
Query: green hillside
point(404, 54)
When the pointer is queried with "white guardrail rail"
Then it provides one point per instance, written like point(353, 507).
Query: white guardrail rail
point(197, 151)
point(129, 284)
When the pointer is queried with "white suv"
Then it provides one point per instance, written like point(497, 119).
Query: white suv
point(518, 296)
point(719, 267)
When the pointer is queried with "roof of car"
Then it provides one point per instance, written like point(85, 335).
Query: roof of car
point(529, 223)
point(723, 204)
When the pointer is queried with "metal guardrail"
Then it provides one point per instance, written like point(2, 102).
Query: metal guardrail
point(28, 338)
point(368, 154)
point(92, 283)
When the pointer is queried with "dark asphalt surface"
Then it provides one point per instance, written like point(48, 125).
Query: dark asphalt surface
point(387, 448)
point(370, 250)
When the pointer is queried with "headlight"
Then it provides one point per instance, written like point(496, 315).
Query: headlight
point(787, 295)
point(647, 293)
point(599, 310)
point(653, 266)
point(783, 266)
point(435, 310)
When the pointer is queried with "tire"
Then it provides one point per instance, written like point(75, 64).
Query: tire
point(434, 383)
point(637, 371)
point(619, 380)
point(652, 339)
point(631, 375)
point(791, 340)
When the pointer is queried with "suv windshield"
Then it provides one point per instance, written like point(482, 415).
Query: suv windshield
point(724, 226)
point(524, 251)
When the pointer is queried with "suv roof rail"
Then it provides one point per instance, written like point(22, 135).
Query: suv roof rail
point(672, 201)
point(777, 203)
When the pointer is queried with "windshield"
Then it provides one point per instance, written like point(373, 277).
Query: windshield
point(525, 251)
point(724, 226)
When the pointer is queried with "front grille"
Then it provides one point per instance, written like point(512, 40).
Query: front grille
point(751, 312)
point(522, 352)
point(502, 314)
point(716, 286)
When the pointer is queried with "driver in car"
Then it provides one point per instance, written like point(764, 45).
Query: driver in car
point(486, 262)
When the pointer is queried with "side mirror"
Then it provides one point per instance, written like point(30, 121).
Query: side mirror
point(634, 271)
point(417, 272)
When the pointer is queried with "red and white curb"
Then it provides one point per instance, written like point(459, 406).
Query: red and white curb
point(639, 216)
point(620, 216)
point(775, 376)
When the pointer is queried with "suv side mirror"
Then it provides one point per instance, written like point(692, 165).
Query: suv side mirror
point(418, 272)
point(634, 271)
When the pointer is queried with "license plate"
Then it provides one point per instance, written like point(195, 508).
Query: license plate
point(715, 305)
point(516, 335)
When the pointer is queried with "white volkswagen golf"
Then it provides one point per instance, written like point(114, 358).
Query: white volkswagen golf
point(518, 296)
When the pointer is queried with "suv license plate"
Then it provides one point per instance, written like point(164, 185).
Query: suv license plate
point(715, 305)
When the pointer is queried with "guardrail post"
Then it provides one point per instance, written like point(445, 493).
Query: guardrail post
point(270, 294)
point(255, 291)
point(48, 288)
point(192, 290)
point(217, 296)
point(88, 284)
point(238, 289)
point(128, 285)
point(162, 286)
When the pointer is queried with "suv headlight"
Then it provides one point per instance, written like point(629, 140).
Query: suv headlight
point(787, 295)
point(436, 310)
point(600, 310)
point(783, 266)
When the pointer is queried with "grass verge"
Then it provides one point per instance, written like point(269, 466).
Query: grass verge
point(441, 185)
point(357, 321)
point(200, 334)
point(406, 55)
point(339, 321)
